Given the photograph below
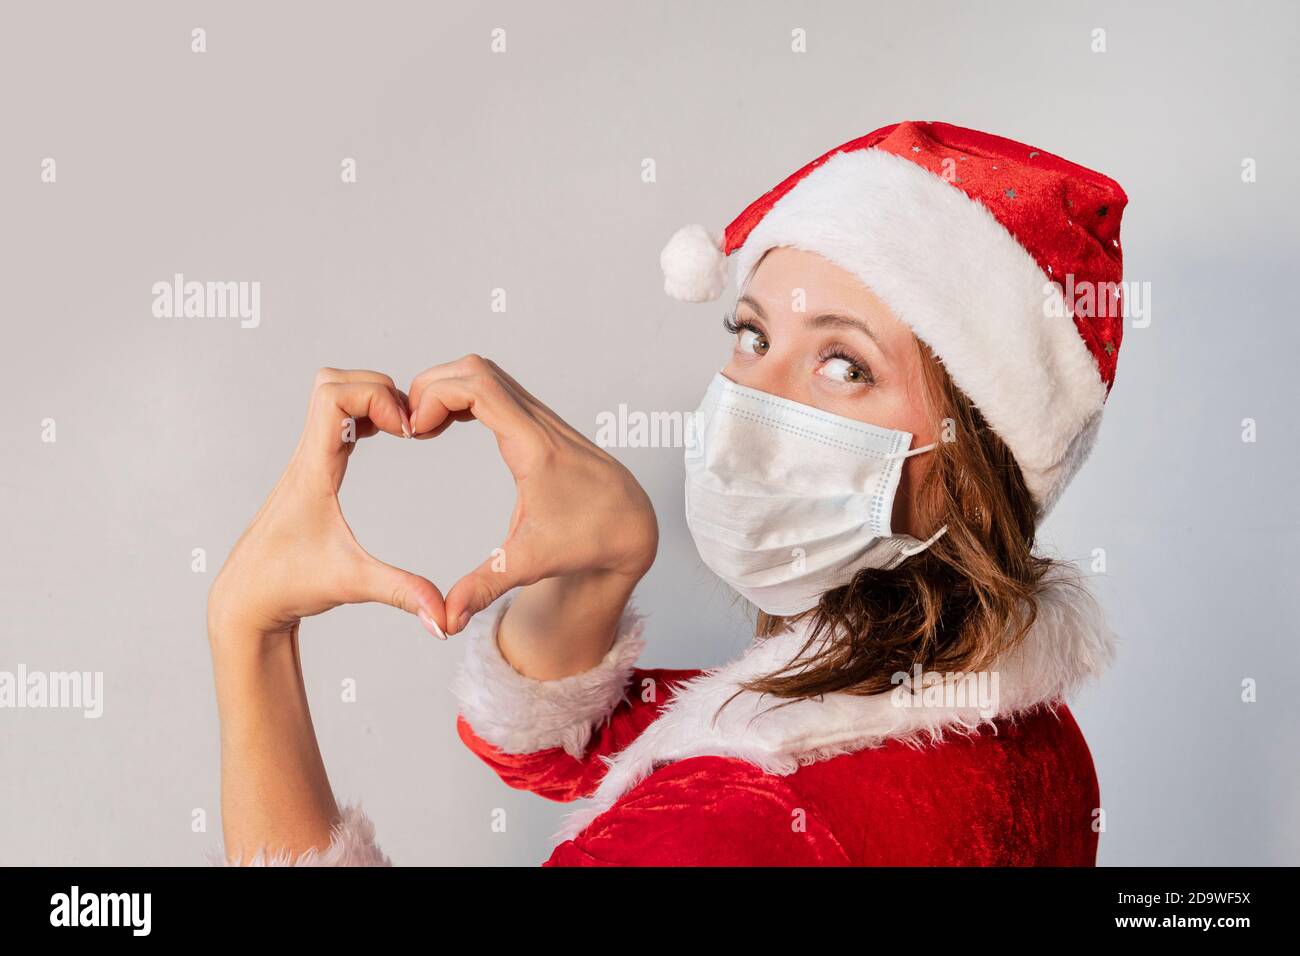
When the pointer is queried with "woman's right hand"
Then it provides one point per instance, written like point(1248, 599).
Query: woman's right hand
point(298, 557)
point(582, 534)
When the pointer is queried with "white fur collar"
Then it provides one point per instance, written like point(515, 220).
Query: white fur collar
point(1068, 644)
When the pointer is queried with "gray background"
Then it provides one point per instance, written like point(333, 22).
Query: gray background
point(522, 171)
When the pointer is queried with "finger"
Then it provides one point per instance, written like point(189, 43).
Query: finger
point(451, 419)
point(341, 408)
point(456, 399)
point(482, 586)
point(471, 367)
point(513, 383)
point(384, 584)
point(461, 367)
point(335, 376)
point(326, 375)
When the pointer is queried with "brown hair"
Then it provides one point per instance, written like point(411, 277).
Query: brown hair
point(956, 606)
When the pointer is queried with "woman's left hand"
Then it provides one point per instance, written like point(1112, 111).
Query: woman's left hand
point(581, 536)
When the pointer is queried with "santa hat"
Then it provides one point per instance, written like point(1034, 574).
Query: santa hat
point(983, 246)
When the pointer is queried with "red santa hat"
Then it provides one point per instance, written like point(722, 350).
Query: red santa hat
point(984, 246)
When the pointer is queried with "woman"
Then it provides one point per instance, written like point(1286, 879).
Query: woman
point(909, 393)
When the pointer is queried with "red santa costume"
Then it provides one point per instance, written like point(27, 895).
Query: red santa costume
point(979, 244)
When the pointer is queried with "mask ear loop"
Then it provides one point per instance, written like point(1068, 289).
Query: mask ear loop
point(924, 545)
point(911, 451)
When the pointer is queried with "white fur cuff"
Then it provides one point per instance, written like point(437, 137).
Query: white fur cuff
point(519, 715)
point(352, 843)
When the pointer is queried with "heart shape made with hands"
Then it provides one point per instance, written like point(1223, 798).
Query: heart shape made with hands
point(578, 511)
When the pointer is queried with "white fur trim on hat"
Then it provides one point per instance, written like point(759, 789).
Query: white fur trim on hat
point(968, 289)
point(517, 714)
point(352, 843)
point(695, 269)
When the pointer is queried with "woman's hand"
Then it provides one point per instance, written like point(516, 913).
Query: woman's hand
point(299, 557)
point(583, 532)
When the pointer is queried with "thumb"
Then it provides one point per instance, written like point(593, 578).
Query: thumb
point(476, 590)
point(384, 584)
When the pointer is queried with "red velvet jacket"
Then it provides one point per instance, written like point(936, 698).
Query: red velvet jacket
point(1024, 796)
point(986, 770)
point(894, 779)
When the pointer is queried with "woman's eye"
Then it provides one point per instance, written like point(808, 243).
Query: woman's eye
point(751, 341)
point(842, 370)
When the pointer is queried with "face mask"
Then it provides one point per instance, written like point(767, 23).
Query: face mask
point(785, 501)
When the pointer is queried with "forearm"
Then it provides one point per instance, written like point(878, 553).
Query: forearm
point(565, 625)
point(275, 795)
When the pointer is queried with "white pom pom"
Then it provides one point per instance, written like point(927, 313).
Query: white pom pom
point(695, 269)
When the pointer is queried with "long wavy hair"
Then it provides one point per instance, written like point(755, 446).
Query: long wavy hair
point(955, 607)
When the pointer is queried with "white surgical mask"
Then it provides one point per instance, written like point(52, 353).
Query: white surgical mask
point(785, 501)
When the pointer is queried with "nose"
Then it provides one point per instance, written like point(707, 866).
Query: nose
point(777, 374)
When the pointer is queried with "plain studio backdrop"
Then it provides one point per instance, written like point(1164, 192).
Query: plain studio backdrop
point(524, 171)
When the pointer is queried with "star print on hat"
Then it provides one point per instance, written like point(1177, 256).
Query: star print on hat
point(974, 241)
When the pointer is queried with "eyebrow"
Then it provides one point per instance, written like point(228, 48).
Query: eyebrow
point(824, 320)
point(832, 320)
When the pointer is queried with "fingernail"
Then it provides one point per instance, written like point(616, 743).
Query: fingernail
point(462, 620)
point(406, 423)
point(431, 625)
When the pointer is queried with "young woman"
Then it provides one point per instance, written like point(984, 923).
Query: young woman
point(913, 383)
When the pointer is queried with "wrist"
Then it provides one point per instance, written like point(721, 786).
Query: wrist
point(234, 625)
point(234, 633)
point(236, 649)
point(551, 603)
point(564, 625)
point(256, 677)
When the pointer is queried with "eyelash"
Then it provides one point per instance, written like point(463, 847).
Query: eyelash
point(844, 355)
point(730, 323)
point(736, 326)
